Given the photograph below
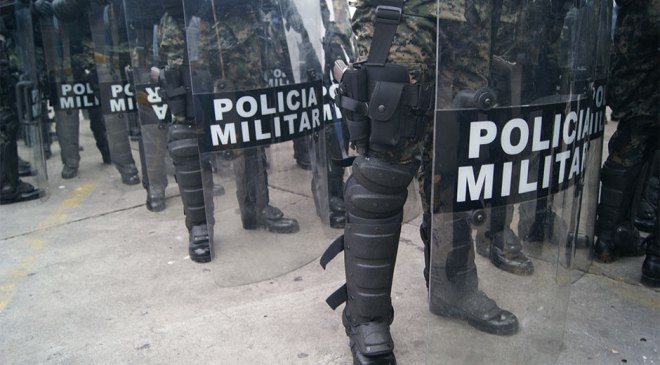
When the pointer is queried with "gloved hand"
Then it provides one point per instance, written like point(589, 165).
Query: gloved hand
point(44, 7)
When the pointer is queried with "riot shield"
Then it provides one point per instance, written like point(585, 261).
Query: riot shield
point(28, 97)
point(518, 133)
point(267, 218)
point(142, 27)
point(117, 101)
point(68, 54)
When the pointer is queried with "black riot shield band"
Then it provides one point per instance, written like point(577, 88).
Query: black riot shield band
point(257, 92)
point(517, 151)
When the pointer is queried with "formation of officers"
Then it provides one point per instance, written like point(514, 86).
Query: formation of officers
point(390, 78)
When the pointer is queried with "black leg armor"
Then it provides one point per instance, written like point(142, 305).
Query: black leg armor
point(185, 155)
point(616, 234)
point(375, 195)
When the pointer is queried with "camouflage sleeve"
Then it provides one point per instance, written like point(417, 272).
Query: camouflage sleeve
point(171, 41)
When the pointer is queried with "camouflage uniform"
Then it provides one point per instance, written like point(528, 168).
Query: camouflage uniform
point(463, 40)
point(634, 96)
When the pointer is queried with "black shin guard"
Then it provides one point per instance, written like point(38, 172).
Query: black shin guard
point(374, 195)
point(185, 155)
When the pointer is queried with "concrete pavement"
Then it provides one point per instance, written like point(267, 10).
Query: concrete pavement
point(91, 277)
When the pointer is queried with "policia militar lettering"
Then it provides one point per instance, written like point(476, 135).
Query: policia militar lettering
point(387, 100)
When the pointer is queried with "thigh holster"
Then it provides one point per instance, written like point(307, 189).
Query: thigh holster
point(383, 111)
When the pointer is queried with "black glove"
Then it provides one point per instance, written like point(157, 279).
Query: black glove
point(44, 7)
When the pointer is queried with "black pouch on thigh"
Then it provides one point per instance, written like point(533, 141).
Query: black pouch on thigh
point(387, 111)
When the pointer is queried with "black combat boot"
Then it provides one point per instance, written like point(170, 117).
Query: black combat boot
point(501, 245)
point(616, 235)
point(252, 194)
point(12, 189)
point(452, 280)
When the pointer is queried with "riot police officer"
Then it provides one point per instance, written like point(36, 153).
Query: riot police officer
point(111, 138)
point(250, 165)
point(13, 189)
point(634, 96)
point(634, 99)
point(395, 76)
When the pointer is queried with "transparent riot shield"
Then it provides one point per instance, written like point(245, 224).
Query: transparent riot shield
point(142, 27)
point(111, 66)
point(518, 139)
point(28, 97)
point(266, 223)
point(69, 58)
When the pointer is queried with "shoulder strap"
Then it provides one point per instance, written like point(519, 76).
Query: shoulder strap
point(388, 16)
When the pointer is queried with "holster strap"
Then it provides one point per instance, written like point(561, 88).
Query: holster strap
point(388, 16)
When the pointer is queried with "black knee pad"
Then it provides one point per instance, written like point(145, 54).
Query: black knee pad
point(377, 189)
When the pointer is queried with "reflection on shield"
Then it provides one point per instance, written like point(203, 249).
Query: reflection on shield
point(258, 95)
